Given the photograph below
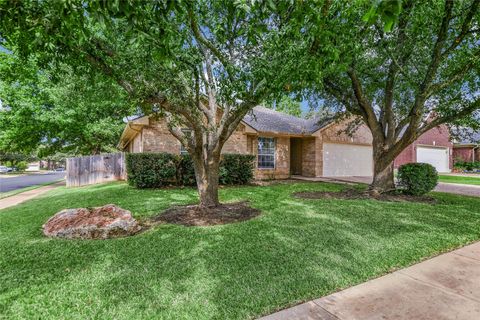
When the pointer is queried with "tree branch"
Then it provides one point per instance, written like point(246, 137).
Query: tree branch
point(202, 40)
point(465, 28)
point(370, 117)
point(437, 52)
point(393, 69)
point(98, 62)
point(415, 112)
point(347, 100)
point(475, 105)
point(456, 75)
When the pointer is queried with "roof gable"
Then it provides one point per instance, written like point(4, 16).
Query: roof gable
point(267, 120)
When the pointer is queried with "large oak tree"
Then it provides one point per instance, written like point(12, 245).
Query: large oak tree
point(201, 65)
point(401, 79)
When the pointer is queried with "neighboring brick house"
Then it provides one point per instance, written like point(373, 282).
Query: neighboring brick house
point(434, 147)
point(285, 145)
point(467, 149)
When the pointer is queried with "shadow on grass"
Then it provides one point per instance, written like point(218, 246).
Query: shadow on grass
point(295, 251)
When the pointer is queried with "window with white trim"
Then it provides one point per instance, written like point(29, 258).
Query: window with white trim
point(266, 153)
point(187, 132)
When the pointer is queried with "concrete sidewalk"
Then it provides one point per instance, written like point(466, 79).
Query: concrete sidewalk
point(27, 195)
point(444, 287)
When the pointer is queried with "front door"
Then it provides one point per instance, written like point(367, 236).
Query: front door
point(295, 156)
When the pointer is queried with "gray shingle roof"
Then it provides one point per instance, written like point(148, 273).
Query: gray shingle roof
point(267, 120)
point(469, 137)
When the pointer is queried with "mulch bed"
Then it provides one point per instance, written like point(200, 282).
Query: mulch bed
point(193, 215)
point(354, 194)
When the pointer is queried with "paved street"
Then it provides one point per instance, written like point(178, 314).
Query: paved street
point(465, 189)
point(27, 195)
point(14, 183)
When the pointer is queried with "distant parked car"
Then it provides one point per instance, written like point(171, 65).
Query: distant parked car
point(4, 169)
point(60, 169)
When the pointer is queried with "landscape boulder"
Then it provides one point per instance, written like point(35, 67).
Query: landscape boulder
point(104, 222)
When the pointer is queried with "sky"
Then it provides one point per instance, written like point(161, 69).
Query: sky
point(304, 106)
point(2, 49)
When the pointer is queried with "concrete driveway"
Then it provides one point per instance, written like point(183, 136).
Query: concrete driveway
point(28, 180)
point(464, 189)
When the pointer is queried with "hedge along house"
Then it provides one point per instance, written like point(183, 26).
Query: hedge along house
point(284, 145)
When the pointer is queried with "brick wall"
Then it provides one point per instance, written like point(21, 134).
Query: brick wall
point(157, 138)
point(464, 154)
point(439, 137)
point(238, 142)
point(308, 157)
point(406, 156)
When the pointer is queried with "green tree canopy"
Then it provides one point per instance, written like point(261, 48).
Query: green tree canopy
point(401, 79)
point(184, 60)
point(75, 113)
point(286, 104)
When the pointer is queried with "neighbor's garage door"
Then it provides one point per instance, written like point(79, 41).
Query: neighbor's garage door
point(347, 160)
point(437, 157)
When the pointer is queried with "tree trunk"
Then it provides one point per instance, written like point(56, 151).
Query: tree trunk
point(206, 175)
point(383, 157)
point(383, 178)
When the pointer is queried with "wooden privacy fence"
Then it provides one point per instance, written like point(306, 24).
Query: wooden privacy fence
point(95, 169)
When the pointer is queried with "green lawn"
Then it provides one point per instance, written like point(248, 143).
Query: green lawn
point(295, 251)
point(459, 179)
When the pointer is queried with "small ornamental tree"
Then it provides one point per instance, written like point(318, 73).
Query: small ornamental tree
point(198, 64)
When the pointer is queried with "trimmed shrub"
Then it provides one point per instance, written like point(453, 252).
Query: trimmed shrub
point(154, 170)
point(186, 171)
point(151, 170)
point(22, 166)
point(236, 168)
point(417, 178)
point(467, 166)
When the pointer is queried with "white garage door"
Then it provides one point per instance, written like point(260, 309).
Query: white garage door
point(347, 160)
point(437, 157)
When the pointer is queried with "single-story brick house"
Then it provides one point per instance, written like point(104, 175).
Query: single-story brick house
point(285, 145)
point(467, 149)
